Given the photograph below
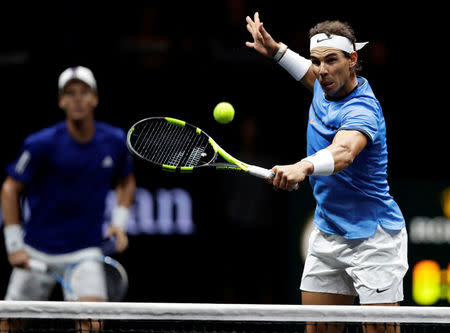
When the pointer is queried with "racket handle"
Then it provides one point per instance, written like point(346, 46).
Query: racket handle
point(260, 172)
point(38, 266)
point(265, 173)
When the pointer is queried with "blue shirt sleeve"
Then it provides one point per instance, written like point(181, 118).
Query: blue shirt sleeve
point(29, 161)
point(360, 116)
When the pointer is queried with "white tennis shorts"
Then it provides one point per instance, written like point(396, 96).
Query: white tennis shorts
point(372, 268)
point(86, 280)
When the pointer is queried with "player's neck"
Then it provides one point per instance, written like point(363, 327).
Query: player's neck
point(81, 130)
point(346, 90)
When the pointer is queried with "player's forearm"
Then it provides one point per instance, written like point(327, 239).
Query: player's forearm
point(330, 160)
point(343, 156)
point(10, 202)
point(345, 147)
point(12, 231)
point(333, 159)
point(309, 79)
point(296, 65)
point(124, 198)
point(125, 191)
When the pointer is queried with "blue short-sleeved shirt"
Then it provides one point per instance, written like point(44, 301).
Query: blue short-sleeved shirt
point(353, 202)
point(66, 185)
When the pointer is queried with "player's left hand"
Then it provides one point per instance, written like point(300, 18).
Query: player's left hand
point(19, 259)
point(262, 40)
point(120, 235)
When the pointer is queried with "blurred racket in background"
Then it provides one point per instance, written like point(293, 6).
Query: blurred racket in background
point(116, 277)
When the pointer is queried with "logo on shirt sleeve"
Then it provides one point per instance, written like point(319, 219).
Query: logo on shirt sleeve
point(23, 162)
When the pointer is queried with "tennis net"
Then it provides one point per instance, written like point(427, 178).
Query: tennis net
point(31, 316)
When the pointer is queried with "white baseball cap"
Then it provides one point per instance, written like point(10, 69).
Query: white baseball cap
point(77, 73)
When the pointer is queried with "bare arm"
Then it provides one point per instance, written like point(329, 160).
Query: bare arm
point(124, 195)
point(264, 44)
point(11, 190)
point(309, 79)
point(346, 145)
point(125, 191)
point(10, 193)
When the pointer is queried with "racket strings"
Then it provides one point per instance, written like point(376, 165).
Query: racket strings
point(196, 154)
point(152, 149)
point(189, 145)
point(170, 150)
point(152, 139)
point(116, 282)
point(161, 138)
point(142, 142)
point(192, 147)
point(188, 148)
point(165, 143)
point(176, 151)
point(141, 139)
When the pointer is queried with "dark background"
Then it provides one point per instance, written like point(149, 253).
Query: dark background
point(161, 58)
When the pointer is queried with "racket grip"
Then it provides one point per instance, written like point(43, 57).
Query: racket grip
point(265, 173)
point(260, 172)
point(38, 266)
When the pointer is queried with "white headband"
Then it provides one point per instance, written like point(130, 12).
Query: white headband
point(336, 42)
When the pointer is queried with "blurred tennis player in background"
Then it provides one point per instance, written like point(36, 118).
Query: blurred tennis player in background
point(65, 172)
point(359, 244)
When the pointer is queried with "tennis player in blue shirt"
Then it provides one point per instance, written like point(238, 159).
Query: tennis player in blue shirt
point(359, 244)
point(65, 172)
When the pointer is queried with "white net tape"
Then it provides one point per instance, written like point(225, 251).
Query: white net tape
point(223, 312)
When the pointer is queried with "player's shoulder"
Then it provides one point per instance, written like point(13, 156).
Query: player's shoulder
point(47, 134)
point(109, 131)
point(364, 96)
point(364, 90)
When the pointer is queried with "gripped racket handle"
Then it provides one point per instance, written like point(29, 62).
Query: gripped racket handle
point(42, 267)
point(265, 173)
point(260, 172)
point(38, 266)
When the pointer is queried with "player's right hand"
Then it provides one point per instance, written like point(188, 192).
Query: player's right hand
point(288, 177)
point(262, 41)
point(19, 259)
point(120, 235)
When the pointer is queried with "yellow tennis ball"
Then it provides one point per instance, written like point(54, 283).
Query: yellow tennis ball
point(223, 112)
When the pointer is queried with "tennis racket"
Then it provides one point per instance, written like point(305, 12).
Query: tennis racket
point(176, 146)
point(116, 277)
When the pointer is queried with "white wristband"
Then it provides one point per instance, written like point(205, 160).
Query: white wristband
point(280, 53)
point(323, 162)
point(119, 216)
point(295, 64)
point(13, 234)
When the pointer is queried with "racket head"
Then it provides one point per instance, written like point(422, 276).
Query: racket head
point(41, 267)
point(116, 278)
point(171, 144)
